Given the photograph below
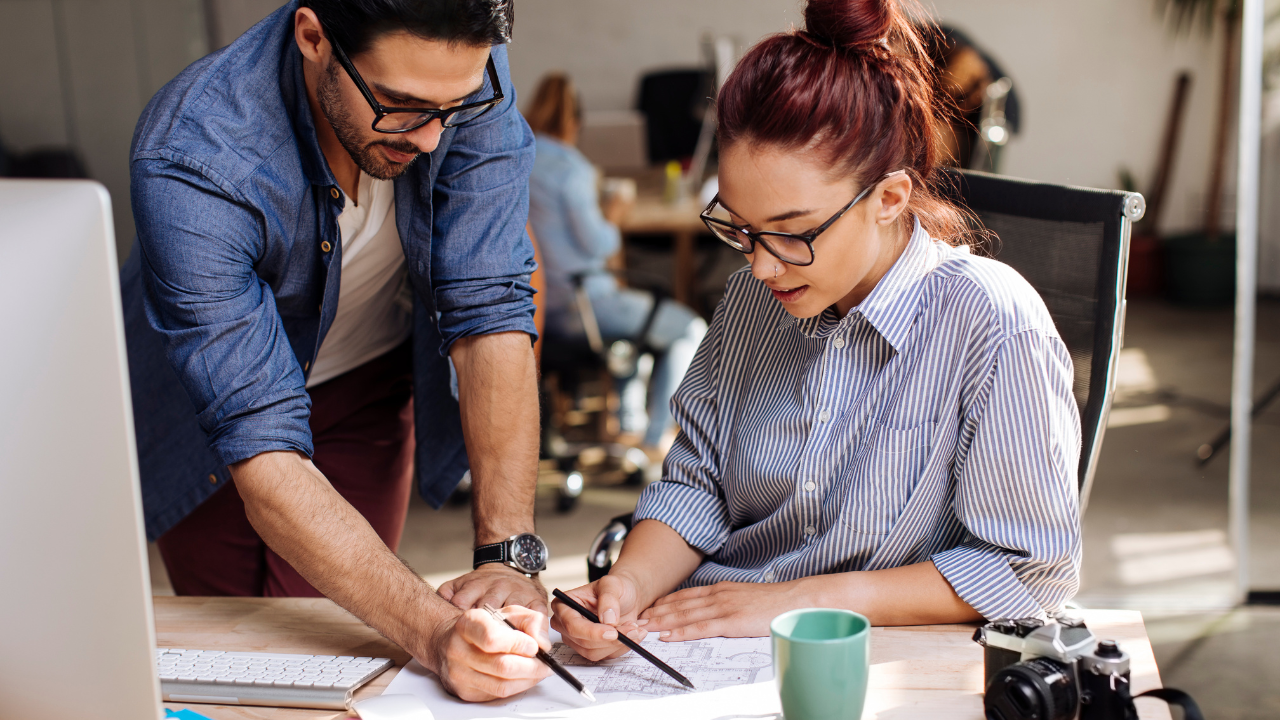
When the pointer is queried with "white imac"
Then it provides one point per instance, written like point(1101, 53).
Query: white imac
point(78, 638)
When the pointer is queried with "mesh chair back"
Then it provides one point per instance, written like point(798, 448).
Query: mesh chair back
point(1072, 245)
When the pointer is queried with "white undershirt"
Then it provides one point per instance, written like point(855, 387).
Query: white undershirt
point(375, 309)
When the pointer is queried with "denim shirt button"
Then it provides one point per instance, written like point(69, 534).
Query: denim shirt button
point(213, 479)
point(325, 246)
point(334, 193)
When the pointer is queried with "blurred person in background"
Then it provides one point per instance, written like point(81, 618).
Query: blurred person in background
point(577, 237)
point(878, 419)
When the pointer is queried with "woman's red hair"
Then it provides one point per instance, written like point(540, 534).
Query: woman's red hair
point(855, 87)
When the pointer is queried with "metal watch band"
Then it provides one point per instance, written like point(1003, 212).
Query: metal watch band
point(485, 554)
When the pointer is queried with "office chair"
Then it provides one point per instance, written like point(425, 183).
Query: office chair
point(673, 103)
point(579, 400)
point(1072, 245)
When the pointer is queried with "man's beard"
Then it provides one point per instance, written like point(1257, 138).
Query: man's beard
point(365, 155)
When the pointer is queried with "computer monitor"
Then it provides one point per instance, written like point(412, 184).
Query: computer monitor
point(75, 605)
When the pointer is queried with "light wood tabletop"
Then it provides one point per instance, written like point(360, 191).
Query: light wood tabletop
point(932, 671)
point(652, 215)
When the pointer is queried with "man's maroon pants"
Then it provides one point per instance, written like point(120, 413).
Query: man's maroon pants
point(362, 430)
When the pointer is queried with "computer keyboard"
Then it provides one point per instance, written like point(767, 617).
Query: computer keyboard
point(250, 678)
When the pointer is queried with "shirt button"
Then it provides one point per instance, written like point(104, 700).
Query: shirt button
point(213, 479)
point(334, 192)
point(810, 486)
point(768, 577)
point(810, 530)
point(306, 366)
point(839, 342)
point(824, 416)
point(325, 246)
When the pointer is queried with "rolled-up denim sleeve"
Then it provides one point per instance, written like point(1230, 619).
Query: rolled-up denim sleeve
point(222, 332)
point(481, 254)
point(689, 499)
point(1016, 493)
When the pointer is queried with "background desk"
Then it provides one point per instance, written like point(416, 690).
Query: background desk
point(929, 672)
point(652, 215)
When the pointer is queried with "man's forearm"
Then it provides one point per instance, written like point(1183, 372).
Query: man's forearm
point(304, 520)
point(498, 392)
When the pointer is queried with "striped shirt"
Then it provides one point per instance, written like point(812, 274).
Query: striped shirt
point(935, 421)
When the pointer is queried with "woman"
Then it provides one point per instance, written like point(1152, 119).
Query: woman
point(576, 239)
point(877, 419)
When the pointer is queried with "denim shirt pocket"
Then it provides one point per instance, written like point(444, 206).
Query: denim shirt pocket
point(885, 476)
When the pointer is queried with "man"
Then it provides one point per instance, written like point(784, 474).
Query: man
point(328, 211)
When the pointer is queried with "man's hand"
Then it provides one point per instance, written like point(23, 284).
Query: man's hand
point(726, 609)
point(613, 598)
point(479, 658)
point(496, 585)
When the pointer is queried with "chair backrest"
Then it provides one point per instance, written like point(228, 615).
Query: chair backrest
point(673, 102)
point(1072, 245)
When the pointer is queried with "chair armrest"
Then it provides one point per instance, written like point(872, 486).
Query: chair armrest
point(606, 546)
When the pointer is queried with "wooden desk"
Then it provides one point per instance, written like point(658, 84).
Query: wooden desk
point(651, 214)
point(932, 672)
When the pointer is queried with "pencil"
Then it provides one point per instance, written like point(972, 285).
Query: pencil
point(625, 640)
point(549, 661)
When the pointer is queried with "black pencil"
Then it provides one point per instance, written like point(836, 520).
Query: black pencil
point(625, 640)
point(549, 661)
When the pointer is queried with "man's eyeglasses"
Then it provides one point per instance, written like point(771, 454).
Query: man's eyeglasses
point(790, 248)
point(395, 120)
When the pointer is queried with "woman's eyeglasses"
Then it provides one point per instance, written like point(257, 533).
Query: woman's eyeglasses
point(395, 120)
point(790, 248)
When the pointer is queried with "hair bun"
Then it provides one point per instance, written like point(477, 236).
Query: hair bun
point(849, 23)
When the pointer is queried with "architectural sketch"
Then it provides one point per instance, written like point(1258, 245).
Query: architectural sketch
point(710, 664)
point(733, 677)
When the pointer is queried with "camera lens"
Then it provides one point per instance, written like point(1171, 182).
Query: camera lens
point(1038, 689)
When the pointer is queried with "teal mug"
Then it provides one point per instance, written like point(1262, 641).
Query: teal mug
point(821, 658)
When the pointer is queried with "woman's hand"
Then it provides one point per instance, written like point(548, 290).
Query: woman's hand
point(614, 599)
point(726, 609)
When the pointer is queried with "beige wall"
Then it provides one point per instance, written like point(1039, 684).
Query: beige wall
point(77, 73)
point(1095, 76)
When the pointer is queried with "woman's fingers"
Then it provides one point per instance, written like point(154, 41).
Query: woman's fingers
point(686, 594)
point(675, 615)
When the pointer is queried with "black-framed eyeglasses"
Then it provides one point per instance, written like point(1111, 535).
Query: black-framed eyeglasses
point(790, 248)
point(396, 120)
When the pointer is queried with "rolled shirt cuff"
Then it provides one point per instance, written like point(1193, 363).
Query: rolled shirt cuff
point(983, 578)
point(701, 519)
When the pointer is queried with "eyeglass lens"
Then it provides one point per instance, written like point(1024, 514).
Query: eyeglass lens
point(400, 122)
point(788, 248)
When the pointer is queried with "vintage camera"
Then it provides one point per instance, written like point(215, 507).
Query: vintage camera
point(1053, 671)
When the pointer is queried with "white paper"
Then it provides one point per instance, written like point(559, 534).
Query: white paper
point(733, 676)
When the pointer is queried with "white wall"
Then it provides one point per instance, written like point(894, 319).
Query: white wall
point(1095, 76)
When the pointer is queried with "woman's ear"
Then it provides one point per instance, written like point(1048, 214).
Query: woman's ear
point(894, 193)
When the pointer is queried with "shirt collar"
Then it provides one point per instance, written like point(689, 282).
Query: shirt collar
point(891, 306)
point(293, 88)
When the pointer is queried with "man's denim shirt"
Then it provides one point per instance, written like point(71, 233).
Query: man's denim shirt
point(229, 290)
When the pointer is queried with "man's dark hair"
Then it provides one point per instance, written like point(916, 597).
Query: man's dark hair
point(355, 24)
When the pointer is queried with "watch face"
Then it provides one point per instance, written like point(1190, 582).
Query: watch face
point(529, 553)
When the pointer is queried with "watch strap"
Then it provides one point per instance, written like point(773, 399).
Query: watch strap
point(485, 554)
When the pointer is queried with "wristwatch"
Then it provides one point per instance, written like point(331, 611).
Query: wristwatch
point(525, 552)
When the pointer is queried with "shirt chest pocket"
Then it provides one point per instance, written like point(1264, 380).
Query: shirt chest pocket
point(884, 477)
